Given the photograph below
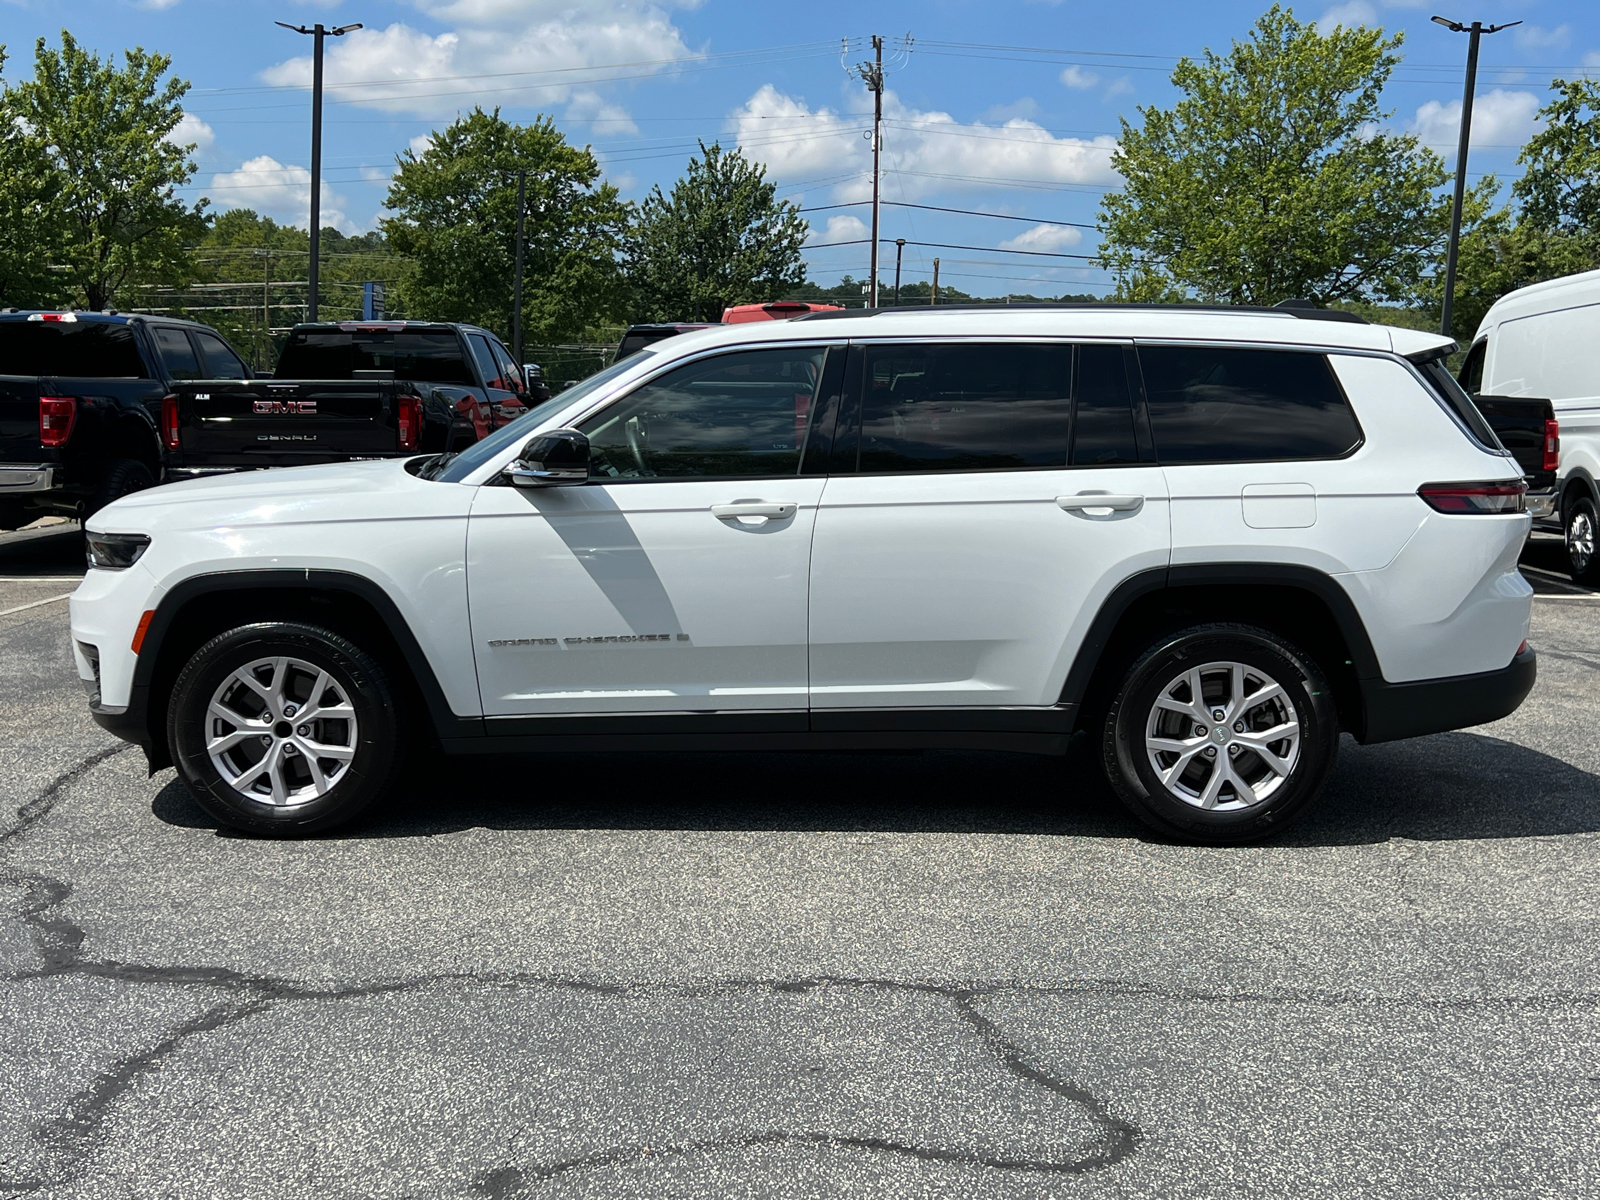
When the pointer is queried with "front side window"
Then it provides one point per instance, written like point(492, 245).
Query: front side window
point(1471, 377)
point(734, 415)
point(487, 367)
point(176, 352)
point(1223, 404)
point(965, 407)
point(511, 377)
point(221, 362)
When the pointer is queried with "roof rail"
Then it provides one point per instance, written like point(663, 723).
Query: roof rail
point(1303, 309)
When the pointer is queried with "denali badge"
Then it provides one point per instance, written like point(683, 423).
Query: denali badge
point(303, 407)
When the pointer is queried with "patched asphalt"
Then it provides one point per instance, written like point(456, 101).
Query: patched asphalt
point(941, 974)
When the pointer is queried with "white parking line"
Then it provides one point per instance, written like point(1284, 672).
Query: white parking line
point(6, 612)
point(41, 578)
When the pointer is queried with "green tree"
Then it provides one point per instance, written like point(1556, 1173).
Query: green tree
point(24, 237)
point(1560, 186)
point(455, 226)
point(721, 238)
point(1272, 177)
point(94, 145)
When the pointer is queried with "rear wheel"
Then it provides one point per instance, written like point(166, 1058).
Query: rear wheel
point(1581, 526)
point(122, 477)
point(1221, 734)
point(283, 729)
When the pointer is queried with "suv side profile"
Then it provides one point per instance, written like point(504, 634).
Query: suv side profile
point(1209, 539)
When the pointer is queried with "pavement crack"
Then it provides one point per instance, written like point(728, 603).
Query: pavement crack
point(35, 810)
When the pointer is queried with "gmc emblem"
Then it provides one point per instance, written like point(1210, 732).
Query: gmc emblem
point(268, 407)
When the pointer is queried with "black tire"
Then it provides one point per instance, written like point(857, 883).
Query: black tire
point(1235, 819)
point(123, 477)
point(350, 787)
point(1581, 526)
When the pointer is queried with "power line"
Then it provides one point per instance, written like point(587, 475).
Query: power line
point(965, 212)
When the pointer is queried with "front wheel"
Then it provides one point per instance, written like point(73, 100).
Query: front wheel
point(1221, 734)
point(1581, 525)
point(283, 729)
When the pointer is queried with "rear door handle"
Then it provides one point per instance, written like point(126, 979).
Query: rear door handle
point(754, 512)
point(1098, 504)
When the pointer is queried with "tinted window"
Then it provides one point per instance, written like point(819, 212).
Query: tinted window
point(740, 414)
point(1218, 404)
point(487, 370)
point(1102, 431)
point(176, 352)
point(221, 362)
point(510, 376)
point(77, 349)
point(965, 407)
point(1447, 389)
point(415, 356)
point(1471, 377)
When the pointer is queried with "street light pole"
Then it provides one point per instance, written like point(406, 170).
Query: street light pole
point(899, 248)
point(318, 32)
point(1477, 29)
point(516, 286)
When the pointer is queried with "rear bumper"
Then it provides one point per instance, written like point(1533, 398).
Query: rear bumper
point(1541, 505)
point(1404, 710)
point(22, 479)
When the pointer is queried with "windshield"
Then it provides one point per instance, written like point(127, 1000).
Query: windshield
point(470, 459)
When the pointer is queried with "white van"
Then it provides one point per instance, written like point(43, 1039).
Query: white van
point(1541, 341)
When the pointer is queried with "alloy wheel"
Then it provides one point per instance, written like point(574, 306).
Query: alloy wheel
point(281, 731)
point(1580, 540)
point(1223, 736)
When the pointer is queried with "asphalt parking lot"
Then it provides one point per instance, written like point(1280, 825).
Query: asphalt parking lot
point(945, 974)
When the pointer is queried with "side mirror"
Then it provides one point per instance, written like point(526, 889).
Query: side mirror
point(552, 459)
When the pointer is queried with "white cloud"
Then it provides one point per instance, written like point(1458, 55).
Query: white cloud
point(1076, 77)
point(1350, 15)
point(1499, 118)
point(1592, 59)
point(841, 229)
point(190, 129)
point(1536, 37)
point(280, 192)
point(927, 151)
point(1043, 237)
point(421, 144)
point(1120, 86)
point(157, 5)
point(499, 52)
point(603, 118)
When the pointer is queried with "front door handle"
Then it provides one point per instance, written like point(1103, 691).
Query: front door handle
point(754, 512)
point(1098, 504)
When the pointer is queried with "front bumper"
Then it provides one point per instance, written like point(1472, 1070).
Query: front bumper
point(1405, 710)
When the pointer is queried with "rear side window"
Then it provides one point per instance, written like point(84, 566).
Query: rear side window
point(72, 349)
point(221, 362)
point(1447, 389)
point(1221, 404)
point(1471, 378)
point(176, 352)
point(964, 407)
point(415, 356)
point(1102, 431)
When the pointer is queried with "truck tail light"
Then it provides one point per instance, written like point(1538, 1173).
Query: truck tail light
point(1552, 445)
point(408, 417)
point(1497, 496)
point(57, 415)
point(169, 422)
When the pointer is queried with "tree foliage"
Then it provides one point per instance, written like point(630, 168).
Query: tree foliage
point(1560, 186)
point(721, 238)
point(1272, 178)
point(455, 224)
point(87, 153)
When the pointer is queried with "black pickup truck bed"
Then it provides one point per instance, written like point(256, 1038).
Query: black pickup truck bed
point(1527, 427)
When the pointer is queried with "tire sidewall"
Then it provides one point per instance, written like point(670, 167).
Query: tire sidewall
point(1591, 572)
point(1135, 780)
point(377, 735)
point(122, 477)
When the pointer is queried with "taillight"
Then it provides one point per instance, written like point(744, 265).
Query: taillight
point(57, 415)
point(408, 417)
point(1499, 496)
point(169, 422)
point(1552, 445)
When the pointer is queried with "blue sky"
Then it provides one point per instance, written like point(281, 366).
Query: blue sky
point(1004, 107)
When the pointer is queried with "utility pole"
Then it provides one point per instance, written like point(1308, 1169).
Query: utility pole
point(516, 285)
point(1477, 29)
point(266, 309)
point(936, 281)
point(899, 247)
point(318, 32)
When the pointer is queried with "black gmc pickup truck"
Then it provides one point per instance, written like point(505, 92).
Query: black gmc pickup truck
point(81, 401)
point(348, 390)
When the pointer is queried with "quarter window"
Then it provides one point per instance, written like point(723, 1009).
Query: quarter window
point(965, 407)
point(221, 362)
point(1214, 404)
point(741, 414)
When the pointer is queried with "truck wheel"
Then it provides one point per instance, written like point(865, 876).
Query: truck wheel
point(1220, 734)
point(123, 477)
point(1581, 527)
point(284, 729)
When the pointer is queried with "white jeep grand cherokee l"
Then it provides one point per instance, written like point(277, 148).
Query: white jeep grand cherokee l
point(1209, 538)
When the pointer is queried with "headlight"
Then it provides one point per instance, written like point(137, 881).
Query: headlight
point(114, 551)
